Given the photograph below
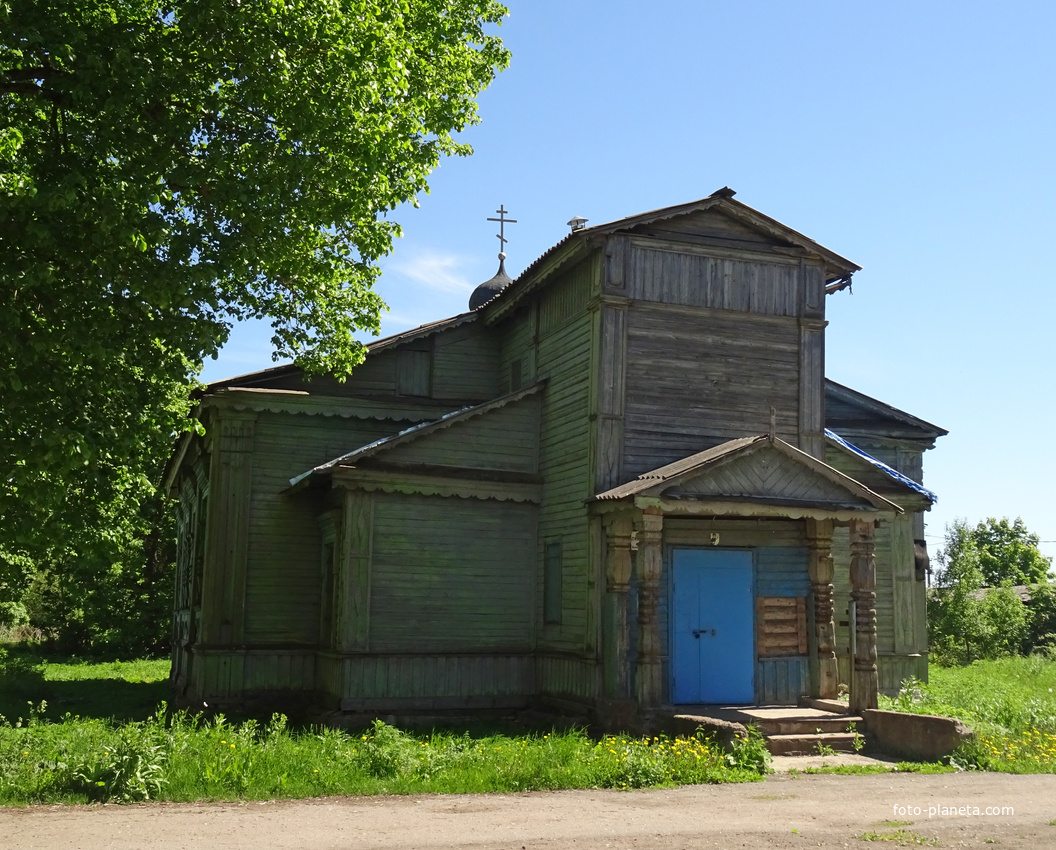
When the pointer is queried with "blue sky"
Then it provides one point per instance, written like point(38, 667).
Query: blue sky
point(916, 139)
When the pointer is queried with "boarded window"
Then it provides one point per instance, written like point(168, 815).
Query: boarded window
point(412, 372)
point(553, 577)
point(516, 378)
point(781, 626)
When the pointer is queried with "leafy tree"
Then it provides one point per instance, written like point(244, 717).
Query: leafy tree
point(168, 167)
point(973, 612)
point(1008, 552)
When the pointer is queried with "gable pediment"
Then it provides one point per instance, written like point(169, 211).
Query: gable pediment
point(762, 470)
point(765, 475)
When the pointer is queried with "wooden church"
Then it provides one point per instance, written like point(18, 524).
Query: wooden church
point(617, 484)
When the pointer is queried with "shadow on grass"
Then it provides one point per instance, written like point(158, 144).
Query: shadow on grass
point(89, 698)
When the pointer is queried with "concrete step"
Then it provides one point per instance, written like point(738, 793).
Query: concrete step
point(810, 745)
point(808, 725)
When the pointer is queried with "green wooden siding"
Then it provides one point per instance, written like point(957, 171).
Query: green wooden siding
point(565, 356)
point(518, 347)
point(506, 438)
point(283, 568)
point(465, 363)
point(451, 574)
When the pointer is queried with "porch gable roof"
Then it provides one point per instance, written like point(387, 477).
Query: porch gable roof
point(761, 470)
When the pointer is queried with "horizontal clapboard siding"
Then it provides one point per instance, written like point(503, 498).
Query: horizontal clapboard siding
point(518, 347)
point(781, 571)
point(694, 382)
point(565, 356)
point(451, 574)
point(283, 569)
point(503, 439)
point(465, 364)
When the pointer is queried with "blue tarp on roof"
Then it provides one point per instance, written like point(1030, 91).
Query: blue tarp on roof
point(879, 464)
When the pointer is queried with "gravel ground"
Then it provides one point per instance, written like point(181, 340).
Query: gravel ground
point(784, 811)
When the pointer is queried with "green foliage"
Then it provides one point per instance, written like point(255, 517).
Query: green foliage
point(973, 612)
point(1009, 553)
point(999, 551)
point(1010, 703)
point(189, 758)
point(186, 757)
point(167, 169)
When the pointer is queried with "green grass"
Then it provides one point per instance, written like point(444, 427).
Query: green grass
point(79, 732)
point(1010, 703)
point(186, 758)
point(121, 690)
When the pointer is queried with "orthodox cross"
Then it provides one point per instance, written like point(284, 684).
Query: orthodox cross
point(503, 221)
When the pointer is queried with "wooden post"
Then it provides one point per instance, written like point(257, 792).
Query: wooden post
point(819, 539)
point(616, 634)
point(864, 681)
point(648, 564)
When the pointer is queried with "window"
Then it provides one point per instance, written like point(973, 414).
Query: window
point(412, 372)
point(553, 577)
point(516, 378)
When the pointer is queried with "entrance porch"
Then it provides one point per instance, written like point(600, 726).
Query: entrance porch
point(695, 616)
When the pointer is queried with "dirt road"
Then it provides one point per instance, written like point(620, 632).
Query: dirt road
point(783, 812)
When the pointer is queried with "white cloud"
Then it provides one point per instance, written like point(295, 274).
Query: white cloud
point(434, 270)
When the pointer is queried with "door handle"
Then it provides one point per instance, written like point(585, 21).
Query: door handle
point(698, 632)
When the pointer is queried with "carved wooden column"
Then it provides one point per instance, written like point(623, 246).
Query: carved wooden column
point(648, 564)
point(819, 539)
point(616, 634)
point(864, 680)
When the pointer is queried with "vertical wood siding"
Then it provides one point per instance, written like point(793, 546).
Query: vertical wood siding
point(781, 681)
point(694, 381)
point(387, 681)
point(282, 582)
point(451, 574)
point(699, 278)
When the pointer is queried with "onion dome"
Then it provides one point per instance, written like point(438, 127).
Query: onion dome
point(490, 288)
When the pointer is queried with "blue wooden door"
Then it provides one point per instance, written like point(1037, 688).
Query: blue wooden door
point(712, 634)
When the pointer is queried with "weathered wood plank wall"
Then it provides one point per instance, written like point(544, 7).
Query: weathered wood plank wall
point(564, 354)
point(503, 439)
point(451, 574)
point(283, 567)
point(694, 381)
point(407, 681)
